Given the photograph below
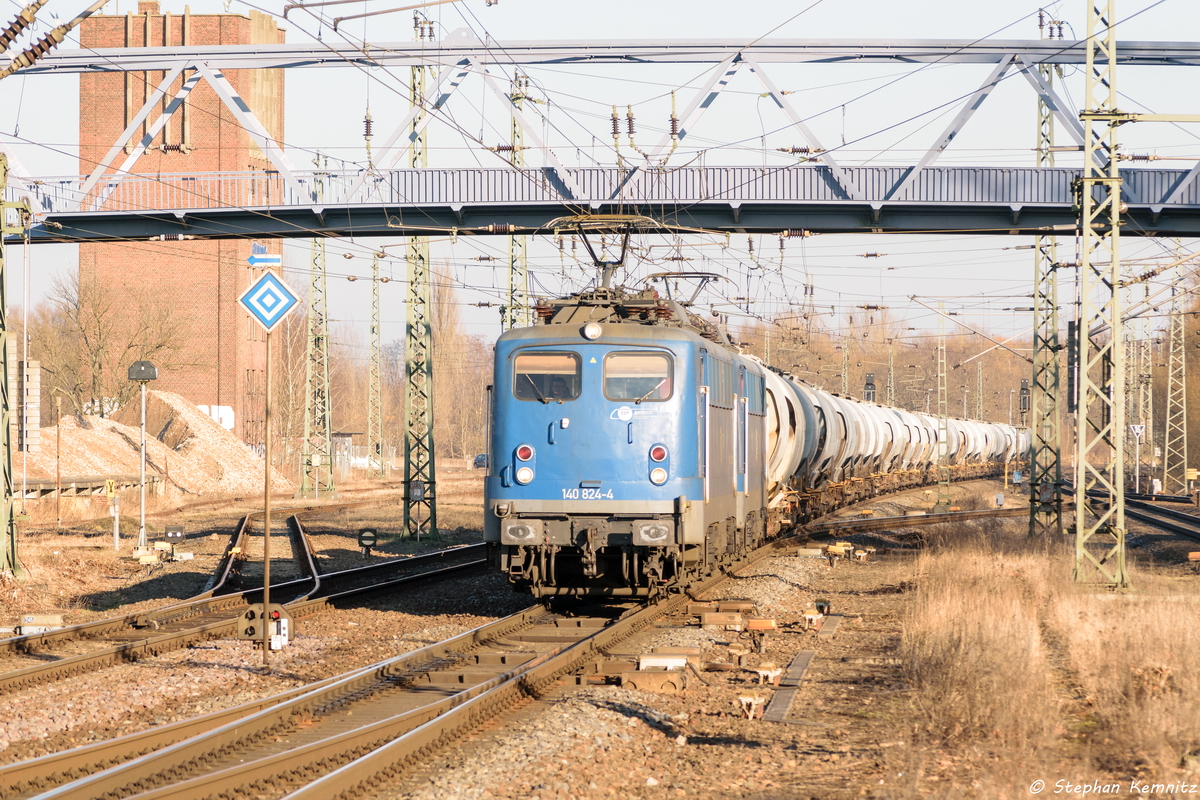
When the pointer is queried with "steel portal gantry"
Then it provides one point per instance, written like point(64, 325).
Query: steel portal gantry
point(463, 43)
point(833, 198)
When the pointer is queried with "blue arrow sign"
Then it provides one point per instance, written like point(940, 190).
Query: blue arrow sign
point(269, 300)
point(264, 261)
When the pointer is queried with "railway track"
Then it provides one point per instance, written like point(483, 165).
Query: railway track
point(1178, 522)
point(390, 711)
point(74, 650)
point(361, 727)
point(1147, 508)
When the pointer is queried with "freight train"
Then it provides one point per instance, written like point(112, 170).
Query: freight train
point(633, 448)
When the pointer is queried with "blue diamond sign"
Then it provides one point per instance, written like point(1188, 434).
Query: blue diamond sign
point(268, 300)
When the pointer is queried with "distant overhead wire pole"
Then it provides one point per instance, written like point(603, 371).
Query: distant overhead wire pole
point(317, 472)
point(516, 311)
point(420, 474)
point(374, 390)
point(943, 410)
point(1175, 450)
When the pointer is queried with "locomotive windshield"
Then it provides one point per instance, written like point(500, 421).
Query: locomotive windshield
point(546, 376)
point(639, 377)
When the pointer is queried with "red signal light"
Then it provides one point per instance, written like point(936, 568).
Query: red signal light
point(658, 453)
point(524, 452)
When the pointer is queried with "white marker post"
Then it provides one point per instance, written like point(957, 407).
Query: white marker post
point(1137, 431)
point(268, 300)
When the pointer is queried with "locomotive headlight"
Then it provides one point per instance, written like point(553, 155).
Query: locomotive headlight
point(592, 331)
point(658, 476)
point(525, 475)
point(524, 452)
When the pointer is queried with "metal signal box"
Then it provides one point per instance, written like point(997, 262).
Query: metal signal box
point(250, 623)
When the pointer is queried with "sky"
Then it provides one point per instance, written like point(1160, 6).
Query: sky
point(884, 115)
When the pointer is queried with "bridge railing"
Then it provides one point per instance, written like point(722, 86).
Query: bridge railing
point(1017, 186)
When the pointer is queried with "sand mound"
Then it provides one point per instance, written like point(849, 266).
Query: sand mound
point(186, 447)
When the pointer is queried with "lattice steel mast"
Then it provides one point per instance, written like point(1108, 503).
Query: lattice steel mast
point(943, 410)
point(318, 433)
point(9, 563)
point(374, 390)
point(1099, 451)
point(1175, 450)
point(979, 390)
point(846, 367)
point(516, 312)
point(891, 382)
point(1045, 468)
point(420, 483)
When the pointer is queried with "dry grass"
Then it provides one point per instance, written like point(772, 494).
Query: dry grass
point(973, 650)
point(1137, 661)
point(58, 575)
point(1018, 673)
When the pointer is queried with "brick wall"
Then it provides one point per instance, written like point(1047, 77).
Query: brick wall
point(223, 362)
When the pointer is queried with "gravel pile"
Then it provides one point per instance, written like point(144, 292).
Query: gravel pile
point(189, 449)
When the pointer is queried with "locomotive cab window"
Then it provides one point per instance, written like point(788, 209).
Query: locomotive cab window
point(640, 377)
point(546, 376)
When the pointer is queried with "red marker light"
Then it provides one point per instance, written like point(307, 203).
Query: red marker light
point(524, 452)
point(658, 453)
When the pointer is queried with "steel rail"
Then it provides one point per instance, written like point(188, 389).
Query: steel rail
point(388, 760)
point(101, 627)
point(153, 645)
point(300, 540)
point(290, 706)
point(411, 725)
point(45, 769)
point(1177, 522)
point(191, 606)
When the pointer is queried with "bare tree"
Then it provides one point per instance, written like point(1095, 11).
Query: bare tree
point(87, 333)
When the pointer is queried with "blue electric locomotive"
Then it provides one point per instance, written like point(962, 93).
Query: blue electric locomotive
point(633, 448)
point(627, 447)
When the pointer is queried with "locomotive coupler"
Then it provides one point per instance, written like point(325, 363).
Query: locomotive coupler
point(590, 563)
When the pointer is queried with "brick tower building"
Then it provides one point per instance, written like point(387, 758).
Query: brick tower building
point(221, 367)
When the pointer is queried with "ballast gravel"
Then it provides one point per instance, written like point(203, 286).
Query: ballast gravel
point(227, 672)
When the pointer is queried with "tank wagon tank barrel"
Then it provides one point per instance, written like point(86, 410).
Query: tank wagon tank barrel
point(634, 448)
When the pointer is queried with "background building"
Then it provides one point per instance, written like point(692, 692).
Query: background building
point(221, 364)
